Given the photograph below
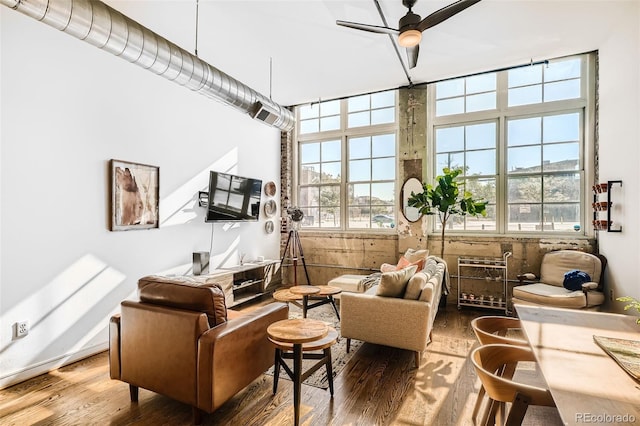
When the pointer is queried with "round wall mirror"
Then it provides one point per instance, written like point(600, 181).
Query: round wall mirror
point(411, 185)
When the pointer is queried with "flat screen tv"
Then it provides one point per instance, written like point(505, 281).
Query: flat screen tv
point(233, 198)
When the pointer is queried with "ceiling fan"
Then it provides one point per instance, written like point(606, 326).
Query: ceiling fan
point(410, 26)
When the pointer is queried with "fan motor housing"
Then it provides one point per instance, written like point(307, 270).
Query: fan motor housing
point(408, 21)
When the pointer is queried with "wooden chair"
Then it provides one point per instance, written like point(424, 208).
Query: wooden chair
point(492, 330)
point(489, 362)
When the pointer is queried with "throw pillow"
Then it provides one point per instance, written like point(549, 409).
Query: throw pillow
point(415, 285)
point(392, 284)
point(413, 255)
point(387, 267)
point(574, 279)
point(402, 263)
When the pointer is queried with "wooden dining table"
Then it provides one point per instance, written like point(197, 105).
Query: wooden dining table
point(587, 385)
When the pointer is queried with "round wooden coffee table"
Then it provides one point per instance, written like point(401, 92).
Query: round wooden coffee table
point(305, 291)
point(295, 333)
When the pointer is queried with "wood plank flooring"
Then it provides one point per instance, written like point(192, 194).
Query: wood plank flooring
point(379, 386)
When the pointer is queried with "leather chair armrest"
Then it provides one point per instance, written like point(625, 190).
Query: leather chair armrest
point(114, 347)
point(233, 354)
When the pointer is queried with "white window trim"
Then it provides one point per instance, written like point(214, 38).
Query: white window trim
point(343, 134)
point(502, 113)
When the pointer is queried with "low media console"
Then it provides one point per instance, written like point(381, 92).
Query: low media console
point(247, 282)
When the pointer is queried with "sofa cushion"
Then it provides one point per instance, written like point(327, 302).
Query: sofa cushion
point(415, 285)
point(393, 284)
point(543, 294)
point(556, 263)
point(208, 299)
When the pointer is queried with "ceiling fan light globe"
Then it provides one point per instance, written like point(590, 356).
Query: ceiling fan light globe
point(409, 38)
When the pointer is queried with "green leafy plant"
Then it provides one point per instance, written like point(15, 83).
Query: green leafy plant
point(446, 199)
point(631, 304)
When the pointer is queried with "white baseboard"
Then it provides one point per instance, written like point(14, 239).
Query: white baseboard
point(43, 367)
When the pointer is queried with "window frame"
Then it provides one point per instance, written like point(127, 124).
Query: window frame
point(344, 133)
point(503, 113)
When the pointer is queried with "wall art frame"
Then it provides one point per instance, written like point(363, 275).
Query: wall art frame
point(135, 196)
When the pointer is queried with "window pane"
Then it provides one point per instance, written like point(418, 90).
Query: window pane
point(561, 128)
point(383, 193)
point(524, 131)
point(358, 103)
point(359, 147)
point(359, 119)
point(309, 196)
point(330, 206)
point(524, 189)
point(447, 89)
point(481, 136)
point(331, 151)
point(384, 99)
point(481, 83)
point(384, 168)
point(525, 76)
point(310, 173)
point(564, 187)
point(359, 170)
point(331, 172)
point(330, 123)
point(562, 217)
point(481, 162)
point(359, 193)
point(359, 217)
point(482, 189)
point(330, 108)
point(449, 106)
point(309, 126)
point(569, 89)
point(310, 216)
point(562, 70)
point(525, 217)
point(382, 116)
point(481, 102)
point(449, 139)
point(451, 160)
point(482, 223)
point(383, 146)
point(563, 156)
point(309, 153)
point(524, 160)
point(525, 95)
point(309, 111)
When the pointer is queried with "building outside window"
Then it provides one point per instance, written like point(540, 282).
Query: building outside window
point(347, 163)
point(524, 139)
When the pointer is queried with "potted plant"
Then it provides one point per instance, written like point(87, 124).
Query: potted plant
point(446, 200)
point(631, 303)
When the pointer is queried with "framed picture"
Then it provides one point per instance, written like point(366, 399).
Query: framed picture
point(135, 195)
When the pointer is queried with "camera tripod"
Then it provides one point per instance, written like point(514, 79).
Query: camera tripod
point(296, 252)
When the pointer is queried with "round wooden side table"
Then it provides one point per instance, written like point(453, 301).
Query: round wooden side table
point(296, 332)
point(305, 291)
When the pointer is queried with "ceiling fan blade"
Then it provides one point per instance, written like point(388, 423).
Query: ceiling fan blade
point(412, 55)
point(445, 13)
point(369, 28)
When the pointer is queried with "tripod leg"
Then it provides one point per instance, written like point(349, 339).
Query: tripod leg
point(304, 264)
point(286, 248)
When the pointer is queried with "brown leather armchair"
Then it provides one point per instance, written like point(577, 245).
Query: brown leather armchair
point(178, 341)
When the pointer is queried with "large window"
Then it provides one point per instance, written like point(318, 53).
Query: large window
point(523, 138)
point(347, 163)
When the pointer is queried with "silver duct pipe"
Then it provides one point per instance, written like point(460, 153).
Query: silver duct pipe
point(106, 28)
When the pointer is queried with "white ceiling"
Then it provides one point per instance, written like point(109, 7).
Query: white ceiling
point(312, 58)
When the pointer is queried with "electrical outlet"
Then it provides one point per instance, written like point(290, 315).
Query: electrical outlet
point(611, 298)
point(22, 328)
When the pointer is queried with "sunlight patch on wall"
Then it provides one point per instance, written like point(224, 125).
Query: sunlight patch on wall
point(68, 301)
point(181, 206)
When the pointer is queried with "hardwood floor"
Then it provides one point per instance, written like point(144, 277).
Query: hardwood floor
point(379, 386)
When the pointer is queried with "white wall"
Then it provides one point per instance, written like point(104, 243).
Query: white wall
point(619, 130)
point(66, 109)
